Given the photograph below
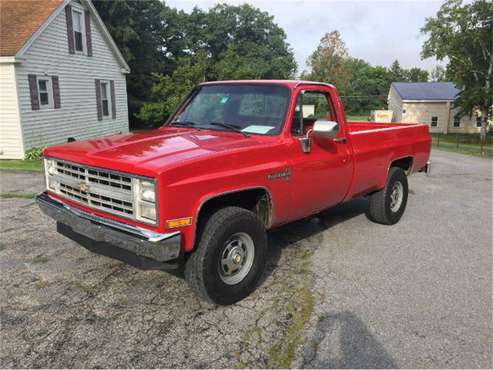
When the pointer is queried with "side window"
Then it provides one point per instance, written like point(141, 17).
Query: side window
point(456, 121)
point(310, 106)
point(78, 24)
point(44, 92)
point(478, 122)
point(105, 99)
point(434, 121)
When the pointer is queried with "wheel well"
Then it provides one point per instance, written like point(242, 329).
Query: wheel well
point(406, 164)
point(257, 200)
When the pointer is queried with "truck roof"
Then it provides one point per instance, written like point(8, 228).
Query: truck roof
point(288, 83)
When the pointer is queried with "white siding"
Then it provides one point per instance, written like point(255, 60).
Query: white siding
point(394, 103)
point(77, 117)
point(423, 112)
point(467, 123)
point(11, 146)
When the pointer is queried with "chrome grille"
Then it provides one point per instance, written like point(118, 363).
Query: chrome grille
point(96, 188)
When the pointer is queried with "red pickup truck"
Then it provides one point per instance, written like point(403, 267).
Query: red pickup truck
point(236, 159)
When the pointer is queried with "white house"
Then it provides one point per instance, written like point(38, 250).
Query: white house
point(61, 75)
point(431, 103)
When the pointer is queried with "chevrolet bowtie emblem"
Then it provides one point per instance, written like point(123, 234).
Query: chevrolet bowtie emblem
point(83, 187)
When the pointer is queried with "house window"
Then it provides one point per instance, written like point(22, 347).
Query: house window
point(456, 121)
point(78, 24)
point(478, 122)
point(44, 92)
point(434, 121)
point(104, 98)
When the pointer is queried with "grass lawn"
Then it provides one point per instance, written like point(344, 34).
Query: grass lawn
point(357, 118)
point(21, 165)
point(17, 195)
point(468, 144)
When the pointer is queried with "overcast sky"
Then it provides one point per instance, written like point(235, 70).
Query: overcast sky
point(376, 31)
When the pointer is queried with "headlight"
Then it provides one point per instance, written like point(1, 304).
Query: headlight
point(50, 166)
point(147, 191)
point(148, 211)
point(52, 184)
point(145, 200)
point(50, 170)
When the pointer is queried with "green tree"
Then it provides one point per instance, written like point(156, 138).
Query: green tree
point(462, 35)
point(362, 87)
point(397, 73)
point(416, 74)
point(226, 42)
point(368, 88)
point(438, 74)
point(328, 63)
point(149, 37)
point(241, 33)
point(169, 90)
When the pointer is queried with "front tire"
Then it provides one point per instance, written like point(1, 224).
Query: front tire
point(230, 257)
point(388, 205)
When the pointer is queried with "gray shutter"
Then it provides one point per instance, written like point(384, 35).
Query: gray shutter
point(56, 92)
point(87, 17)
point(33, 91)
point(113, 101)
point(98, 100)
point(70, 29)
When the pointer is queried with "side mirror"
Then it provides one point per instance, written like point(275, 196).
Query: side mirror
point(325, 129)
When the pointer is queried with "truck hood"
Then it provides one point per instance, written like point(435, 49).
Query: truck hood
point(152, 152)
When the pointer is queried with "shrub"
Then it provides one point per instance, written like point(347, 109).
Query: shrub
point(34, 154)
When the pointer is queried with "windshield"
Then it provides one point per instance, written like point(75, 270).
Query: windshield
point(251, 109)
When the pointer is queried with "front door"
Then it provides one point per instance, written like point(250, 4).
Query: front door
point(321, 177)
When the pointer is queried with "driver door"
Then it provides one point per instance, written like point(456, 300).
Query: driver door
point(321, 177)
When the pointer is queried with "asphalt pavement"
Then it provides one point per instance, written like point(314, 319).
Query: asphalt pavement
point(339, 291)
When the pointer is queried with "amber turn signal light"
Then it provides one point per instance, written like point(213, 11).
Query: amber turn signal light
point(179, 222)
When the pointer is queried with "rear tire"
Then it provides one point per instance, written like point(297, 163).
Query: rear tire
point(387, 205)
point(230, 257)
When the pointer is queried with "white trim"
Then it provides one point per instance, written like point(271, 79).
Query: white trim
point(80, 11)
point(379, 129)
point(9, 60)
point(428, 101)
point(49, 91)
point(108, 98)
point(92, 9)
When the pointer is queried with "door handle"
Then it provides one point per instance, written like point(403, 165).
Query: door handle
point(340, 140)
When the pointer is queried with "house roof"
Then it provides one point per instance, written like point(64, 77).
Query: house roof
point(437, 91)
point(20, 19)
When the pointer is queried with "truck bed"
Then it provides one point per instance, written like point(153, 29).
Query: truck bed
point(375, 145)
point(354, 126)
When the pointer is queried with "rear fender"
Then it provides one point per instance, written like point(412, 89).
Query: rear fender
point(406, 163)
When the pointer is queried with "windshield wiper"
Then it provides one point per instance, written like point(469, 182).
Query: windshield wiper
point(231, 127)
point(182, 123)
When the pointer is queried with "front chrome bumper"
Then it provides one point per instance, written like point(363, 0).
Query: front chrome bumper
point(142, 242)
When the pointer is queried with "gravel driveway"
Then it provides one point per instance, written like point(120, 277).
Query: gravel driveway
point(339, 290)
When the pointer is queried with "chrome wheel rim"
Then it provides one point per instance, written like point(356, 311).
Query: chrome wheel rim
point(396, 196)
point(236, 258)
